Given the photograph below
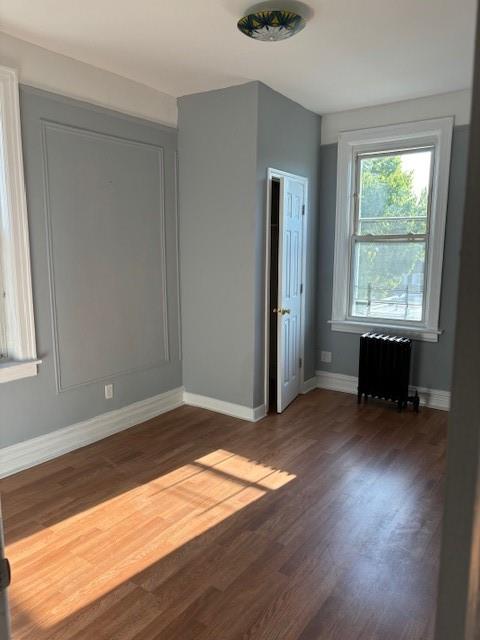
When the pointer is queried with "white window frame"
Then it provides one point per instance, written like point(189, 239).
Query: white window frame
point(435, 133)
point(15, 252)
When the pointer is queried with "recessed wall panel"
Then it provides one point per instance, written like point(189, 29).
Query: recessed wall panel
point(106, 243)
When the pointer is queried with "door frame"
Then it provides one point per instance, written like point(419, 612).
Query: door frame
point(271, 174)
point(5, 628)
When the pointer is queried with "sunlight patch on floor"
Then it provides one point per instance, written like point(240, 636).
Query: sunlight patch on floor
point(93, 552)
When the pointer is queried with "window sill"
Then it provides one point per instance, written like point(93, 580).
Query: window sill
point(348, 326)
point(17, 370)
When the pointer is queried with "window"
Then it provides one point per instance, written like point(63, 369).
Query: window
point(3, 318)
point(18, 358)
point(392, 189)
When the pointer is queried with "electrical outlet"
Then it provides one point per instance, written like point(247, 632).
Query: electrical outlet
point(326, 356)
point(108, 391)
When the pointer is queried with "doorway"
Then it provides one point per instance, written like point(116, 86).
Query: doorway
point(286, 217)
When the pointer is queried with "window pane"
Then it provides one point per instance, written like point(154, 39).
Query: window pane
point(394, 193)
point(388, 280)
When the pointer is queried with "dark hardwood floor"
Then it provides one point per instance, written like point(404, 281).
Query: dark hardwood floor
point(320, 523)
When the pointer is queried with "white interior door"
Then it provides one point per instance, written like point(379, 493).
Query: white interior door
point(290, 257)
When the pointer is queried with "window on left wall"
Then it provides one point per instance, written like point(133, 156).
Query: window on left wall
point(3, 317)
point(18, 354)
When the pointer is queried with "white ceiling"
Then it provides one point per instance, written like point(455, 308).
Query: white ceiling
point(353, 53)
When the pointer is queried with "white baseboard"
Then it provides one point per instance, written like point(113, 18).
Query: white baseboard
point(336, 382)
point(434, 398)
point(310, 384)
point(51, 445)
point(259, 413)
point(227, 408)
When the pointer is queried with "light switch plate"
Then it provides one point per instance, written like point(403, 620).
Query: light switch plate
point(326, 356)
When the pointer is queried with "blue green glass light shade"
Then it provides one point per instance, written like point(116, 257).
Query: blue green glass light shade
point(271, 25)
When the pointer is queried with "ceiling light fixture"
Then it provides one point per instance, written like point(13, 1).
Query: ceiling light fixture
point(270, 26)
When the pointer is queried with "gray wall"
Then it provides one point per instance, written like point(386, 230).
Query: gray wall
point(227, 141)
point(217, 149)
point(103, 236)
point(432, 362)
point(458, 603)
point(289, 140)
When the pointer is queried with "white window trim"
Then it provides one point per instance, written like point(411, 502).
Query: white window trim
point(16, 252)
point(437, 133)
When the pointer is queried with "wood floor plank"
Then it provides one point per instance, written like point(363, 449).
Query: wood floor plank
point(322, 523)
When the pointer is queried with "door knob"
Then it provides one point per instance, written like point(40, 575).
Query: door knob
point(281, 312)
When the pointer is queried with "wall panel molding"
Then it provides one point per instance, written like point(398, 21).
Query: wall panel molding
point(177, 246)
point(51, 125)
